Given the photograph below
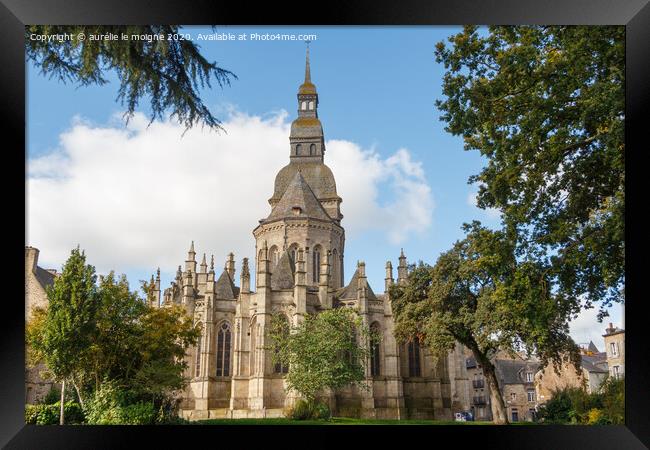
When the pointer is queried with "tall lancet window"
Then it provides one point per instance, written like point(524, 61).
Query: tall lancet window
point(304, 105)
point(223, 350)
point(414, 358)
point(273, 256)
point(375, 351)
point(280, 367)
point(316, 265)
point(197, 361)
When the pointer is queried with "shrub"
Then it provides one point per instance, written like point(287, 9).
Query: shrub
point(44, 414)
point(309, 410)
point(52, 396)
point(303, 410)
point(595, 416)
point(322, 411)
point(31, 413)
point(141, 413)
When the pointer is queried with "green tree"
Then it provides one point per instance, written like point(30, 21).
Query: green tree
point(61, 336)
point(326, 350)
point(168, 71)
point(544, 105)
point(478, 294)
point(116, 339)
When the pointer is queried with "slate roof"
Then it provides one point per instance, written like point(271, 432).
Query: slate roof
point(592, 347)
point(282, 275)
point(318, 176)
point(350, 291)
point(595, 364)
point(225, 288)
point(298, 201)
point(44, 277)
point(511, 371)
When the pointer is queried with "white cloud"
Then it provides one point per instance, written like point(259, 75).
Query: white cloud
point(134, 197)
point(492, 213)
point(586, 328)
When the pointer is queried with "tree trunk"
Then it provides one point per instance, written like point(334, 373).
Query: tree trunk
point(497, 405)
point(81, 401)
point(499, 413)
point(61, 418)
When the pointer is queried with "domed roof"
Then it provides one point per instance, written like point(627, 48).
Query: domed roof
point(317, 175)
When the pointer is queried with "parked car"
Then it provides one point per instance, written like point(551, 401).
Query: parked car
point(464, 416)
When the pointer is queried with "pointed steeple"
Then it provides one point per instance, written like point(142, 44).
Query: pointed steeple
point(307, 69)
point(204, 264)
point(307, 87)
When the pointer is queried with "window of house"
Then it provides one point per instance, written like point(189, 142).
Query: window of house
point(529, 377)
point(414, 358)
point(515, 415)
point(223, 350)
point(513, 396)
point(616, 371)
point(613, 348)
point(531, 396)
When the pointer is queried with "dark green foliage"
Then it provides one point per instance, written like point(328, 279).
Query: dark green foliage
point(576, 406)
point(479, 294)
point(322, 411)
point(48, 414)
point(52, 396)
point(545, 106)
point(170, 72)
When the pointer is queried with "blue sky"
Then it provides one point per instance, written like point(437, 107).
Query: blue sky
point(377, 87)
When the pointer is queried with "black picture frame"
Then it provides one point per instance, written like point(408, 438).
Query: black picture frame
point(14, 14)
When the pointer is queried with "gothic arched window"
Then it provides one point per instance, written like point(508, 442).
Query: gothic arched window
point(375, 351)
point(223, 350)
point(293, 253)
point(414, 358)
point(279, 366)
point(298, 149)
point(334, 279)
point(197, 360)
point(312, 149)
point(316, 264)
point(274, 256)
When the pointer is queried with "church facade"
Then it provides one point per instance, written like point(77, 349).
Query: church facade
point(299, 253)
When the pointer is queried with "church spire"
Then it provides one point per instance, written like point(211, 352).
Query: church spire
point(307, 69)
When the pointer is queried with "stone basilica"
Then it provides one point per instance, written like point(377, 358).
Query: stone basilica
point(299, 250)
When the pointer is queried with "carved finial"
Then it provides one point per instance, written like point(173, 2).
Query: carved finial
point(158, 274)
point(244, 268)
point(212, 262)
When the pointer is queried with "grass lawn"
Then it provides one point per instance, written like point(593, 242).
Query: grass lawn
point(333, 421)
